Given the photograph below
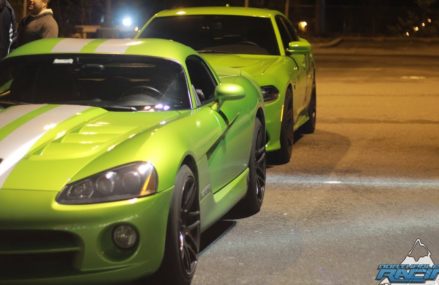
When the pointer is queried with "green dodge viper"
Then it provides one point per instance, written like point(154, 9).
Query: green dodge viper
point(116, 154)
point(262, 43)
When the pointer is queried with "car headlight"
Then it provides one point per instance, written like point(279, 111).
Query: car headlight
point(124, 182)
point(269, 93)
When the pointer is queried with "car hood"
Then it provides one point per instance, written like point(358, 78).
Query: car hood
point(43, 146)
point(255, 65)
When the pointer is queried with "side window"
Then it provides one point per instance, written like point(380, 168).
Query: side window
point(291, 29)
point(203, 82)
point(285, 35)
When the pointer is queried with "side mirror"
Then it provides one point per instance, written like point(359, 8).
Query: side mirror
point(5, 88)
point(299, 47)
point(229, 91)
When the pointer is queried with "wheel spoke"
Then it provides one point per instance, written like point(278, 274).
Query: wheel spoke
point(260, 181)
point(192, 253)
point(193, 225)
point(260, 174)
point(193, 214)
point(261, 159)
point(187, 259)
point(190, 239)
point(189, 195)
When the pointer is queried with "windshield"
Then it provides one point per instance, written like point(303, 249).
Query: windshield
point(217, 33)
point(117, 82)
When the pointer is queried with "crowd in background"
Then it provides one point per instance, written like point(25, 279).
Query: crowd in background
point(39, 23)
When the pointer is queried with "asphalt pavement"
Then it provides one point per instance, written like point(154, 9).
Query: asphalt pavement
point(359, 192)
point(378, 46)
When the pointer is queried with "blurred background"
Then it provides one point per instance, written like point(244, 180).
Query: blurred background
point(315, 18)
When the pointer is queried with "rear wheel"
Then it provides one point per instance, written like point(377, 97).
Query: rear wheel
point(310, 126)
point(286, 133)
point(252, 202)
point(183, 232)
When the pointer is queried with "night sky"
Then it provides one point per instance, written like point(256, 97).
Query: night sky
point(384, 17)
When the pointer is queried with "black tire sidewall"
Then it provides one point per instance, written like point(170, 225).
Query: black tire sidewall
point(310, 126)
point(253, 202)
point(171, 271)
point(283, 155)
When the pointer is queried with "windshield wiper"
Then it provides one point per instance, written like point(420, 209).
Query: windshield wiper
point(119, 108)
point(98, 104)
point(211, 51)
point(11, 103)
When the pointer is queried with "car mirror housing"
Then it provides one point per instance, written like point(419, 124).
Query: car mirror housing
point(229, 91)
point(300, 46)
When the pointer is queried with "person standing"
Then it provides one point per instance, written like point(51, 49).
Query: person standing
point(39, 24)
point(7, 27)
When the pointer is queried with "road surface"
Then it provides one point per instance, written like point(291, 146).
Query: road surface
point(358, 193)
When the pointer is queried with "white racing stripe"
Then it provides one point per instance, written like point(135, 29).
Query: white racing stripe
point(71, 45)
point(115, 46)
point(12, 113)
point(15, 146)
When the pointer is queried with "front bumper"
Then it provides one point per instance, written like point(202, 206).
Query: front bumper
point(43, 242)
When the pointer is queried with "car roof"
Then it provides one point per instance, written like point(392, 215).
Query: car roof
point(162, 48)
point(224, 10)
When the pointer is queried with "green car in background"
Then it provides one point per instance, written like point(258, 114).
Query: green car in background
point(262, 43)
point(116, 154)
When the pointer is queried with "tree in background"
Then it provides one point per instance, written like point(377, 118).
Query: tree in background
point(418, 22)
point(70, 13)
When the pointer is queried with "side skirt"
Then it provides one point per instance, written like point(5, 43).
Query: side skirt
point(215, 206)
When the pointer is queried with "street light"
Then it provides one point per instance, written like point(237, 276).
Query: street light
point(127, 21)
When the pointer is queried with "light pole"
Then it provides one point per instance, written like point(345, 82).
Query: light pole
point(108, 13)
point(320, 17)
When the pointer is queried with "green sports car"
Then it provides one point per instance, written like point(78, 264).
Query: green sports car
point(116, 154)
point(262, 43)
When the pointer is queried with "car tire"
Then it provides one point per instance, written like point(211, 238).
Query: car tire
point(310, 126)
point(252, 201)
point(283, 155)
point(183, 231)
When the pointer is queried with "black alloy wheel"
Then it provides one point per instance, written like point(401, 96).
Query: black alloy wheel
point(310, 126)
point(260, 165)
point(183, 232)
point(189, 227)
point(252, 201)
point(283, 155)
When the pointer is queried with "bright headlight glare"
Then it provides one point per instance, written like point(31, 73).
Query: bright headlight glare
point(121, 183)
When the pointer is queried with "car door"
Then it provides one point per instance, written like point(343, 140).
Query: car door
point(227, 158)
point(308, 58)
point(301, 61)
